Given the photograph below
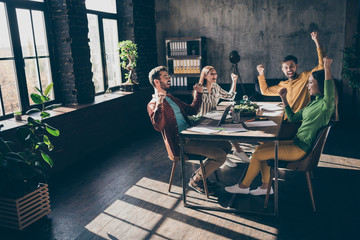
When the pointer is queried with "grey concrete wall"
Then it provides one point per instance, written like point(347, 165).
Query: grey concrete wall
point(261, 31)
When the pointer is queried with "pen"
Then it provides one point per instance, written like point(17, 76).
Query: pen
point(250, 120)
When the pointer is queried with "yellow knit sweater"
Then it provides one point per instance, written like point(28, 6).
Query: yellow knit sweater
point(298, 94)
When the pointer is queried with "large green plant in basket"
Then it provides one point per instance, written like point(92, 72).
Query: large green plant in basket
point(128, 55)
point(23, 165)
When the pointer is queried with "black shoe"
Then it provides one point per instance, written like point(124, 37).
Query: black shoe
point(210, 184)
point(198, 187)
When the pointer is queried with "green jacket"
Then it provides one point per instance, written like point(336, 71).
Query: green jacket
point(314, 116)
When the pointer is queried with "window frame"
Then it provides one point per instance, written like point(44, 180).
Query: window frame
point(100, 16)
point(19, 59)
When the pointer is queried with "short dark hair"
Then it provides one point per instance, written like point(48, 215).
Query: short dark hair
point(155, 74)
point(320, 78)
point(289, 58)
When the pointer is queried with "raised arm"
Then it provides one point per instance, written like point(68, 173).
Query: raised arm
point(232, 93)
point(320, 51)
point(293, 117)
point(329, 91)
point(264, 88)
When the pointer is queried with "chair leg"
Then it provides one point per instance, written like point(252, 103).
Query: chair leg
point(216, 176)
point(269, 188)
point(308, 179)
point(172, 175)
point(204, 178)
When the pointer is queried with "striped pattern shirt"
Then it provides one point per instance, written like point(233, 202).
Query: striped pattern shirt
point(210, 101)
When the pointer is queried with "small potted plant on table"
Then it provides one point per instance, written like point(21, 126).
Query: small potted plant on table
point(128, 55)
point(18, 116)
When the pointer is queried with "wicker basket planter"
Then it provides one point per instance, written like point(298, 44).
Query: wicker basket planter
point(20, 213)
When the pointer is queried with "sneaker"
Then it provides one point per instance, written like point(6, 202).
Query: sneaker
point(242, 156)
point(229, 163)
point(236, 189)
point(261, 191)
point(198, 187)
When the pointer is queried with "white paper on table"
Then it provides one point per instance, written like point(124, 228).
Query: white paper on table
point(270, 106)
point(271, 113)
point(231, 128)
point(216, 115)
point(207, 130)
point(260, 123)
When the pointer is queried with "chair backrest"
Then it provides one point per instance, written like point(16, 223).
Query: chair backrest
point(312, 159)
point(168, 149)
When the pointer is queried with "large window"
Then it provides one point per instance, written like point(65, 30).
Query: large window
point(104, 38)
point(24, 55)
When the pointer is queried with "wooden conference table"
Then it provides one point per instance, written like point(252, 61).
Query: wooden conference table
point(254, 134)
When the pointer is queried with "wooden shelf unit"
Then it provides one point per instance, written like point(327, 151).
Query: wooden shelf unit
point(185, 58)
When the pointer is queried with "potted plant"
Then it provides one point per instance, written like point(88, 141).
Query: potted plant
point(24, 196)
point(351, 64)
point(17, 116)
point(128, 55)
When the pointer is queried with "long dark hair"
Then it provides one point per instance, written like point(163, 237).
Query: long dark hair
point(320, 77)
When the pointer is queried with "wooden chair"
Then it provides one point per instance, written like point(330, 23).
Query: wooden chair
point(200, 158)
point(306, 165)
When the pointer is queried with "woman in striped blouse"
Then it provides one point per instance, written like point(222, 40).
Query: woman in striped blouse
point(212, 93)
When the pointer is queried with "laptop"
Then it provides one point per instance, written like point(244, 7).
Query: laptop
point(217, 123)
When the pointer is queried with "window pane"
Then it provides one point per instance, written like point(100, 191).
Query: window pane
point(26, 34)
point(31, 73)
point(95, 52)
point(5, 47)
point(112, 53)
point(45, 75)
point(40, 36)
point(103, 5)
point(9, 89)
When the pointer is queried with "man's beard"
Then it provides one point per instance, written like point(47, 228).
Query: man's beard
point(293, 76)
point(164, 86)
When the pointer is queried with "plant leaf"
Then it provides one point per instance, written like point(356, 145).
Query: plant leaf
point(47, 158)
point(45, 98)
point(36, 98)
point(53, 131)
point(52, 106)
point(46, 140)
point(33, 110)
point(45, 114)
point(37, 89)
point(48, 89)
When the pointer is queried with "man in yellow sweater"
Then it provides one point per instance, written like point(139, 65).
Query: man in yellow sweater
point(298, 94)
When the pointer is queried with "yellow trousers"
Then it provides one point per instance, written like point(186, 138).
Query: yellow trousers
point(287, 151)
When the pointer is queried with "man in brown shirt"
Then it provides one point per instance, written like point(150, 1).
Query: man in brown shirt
point(169, 116)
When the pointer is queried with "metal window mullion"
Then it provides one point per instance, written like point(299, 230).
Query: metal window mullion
point(18, 56)
point(35, 48)
point(103, 52)
point(2, 103)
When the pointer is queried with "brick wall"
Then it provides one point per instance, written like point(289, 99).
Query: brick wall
point(72, 52)
point(138, 25)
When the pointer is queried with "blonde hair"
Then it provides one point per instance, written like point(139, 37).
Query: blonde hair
point(204, 72)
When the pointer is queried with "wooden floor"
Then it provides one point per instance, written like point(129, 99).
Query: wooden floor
point(121, 193)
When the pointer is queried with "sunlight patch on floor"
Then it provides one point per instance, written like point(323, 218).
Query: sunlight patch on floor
point(332, 161)
point(156, 214)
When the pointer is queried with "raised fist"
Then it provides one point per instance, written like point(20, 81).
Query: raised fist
point(260, 68)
